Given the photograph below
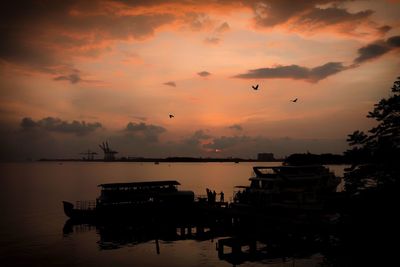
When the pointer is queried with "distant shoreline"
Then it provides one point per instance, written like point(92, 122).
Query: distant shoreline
point(293, 159)
point(169, 160)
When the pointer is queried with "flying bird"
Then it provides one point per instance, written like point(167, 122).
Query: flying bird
point(255, 87)
point(171, 116)
point(294, 100)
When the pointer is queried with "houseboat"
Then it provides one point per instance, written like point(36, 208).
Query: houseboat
point(288, 187)
point(132, 201)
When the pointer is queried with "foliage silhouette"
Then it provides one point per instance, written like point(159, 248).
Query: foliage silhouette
point(375, 155)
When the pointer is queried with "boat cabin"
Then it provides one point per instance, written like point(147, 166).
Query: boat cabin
point(142, 192)
point(288, 186)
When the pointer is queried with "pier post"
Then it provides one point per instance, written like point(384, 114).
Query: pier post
point(220, 248)
point(189, 230)
point(199, 230)
point(253, 246)
point(236, 248)
point(157, 247)
point(183, 232)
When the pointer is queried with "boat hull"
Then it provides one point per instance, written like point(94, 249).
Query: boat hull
point(79, 214)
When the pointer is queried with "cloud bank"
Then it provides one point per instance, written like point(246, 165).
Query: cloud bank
point(51, 124)
point(204, 73)
point(172, 84)
point(148, 132)
point(295, 72)
point(377, 49)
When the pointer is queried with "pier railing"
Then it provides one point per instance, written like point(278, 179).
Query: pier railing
point(200, 198)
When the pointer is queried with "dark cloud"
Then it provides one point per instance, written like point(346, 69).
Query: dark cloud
point(171, 83)
point(204, 73)
point(394, 41)
point(200, 135)
point(148, 132)
point(196, 137)
point(43, 35)
point(384, 29)
point(270, 13)
point(57, 125)
point(46, 35)
point(295, 72)
point(328, 69)
point(371, 51)
point(28, 123)
point(331, 16)
point(377, 49)
point(368, 52)
point(72, 78)
point(236, 127)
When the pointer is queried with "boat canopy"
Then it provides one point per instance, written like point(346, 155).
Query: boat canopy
point(288, 170)
point(139, 185)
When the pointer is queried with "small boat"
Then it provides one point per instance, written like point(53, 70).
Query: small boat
point(289, 187)
point(132, 201)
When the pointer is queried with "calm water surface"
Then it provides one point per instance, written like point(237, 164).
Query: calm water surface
point(32, 218)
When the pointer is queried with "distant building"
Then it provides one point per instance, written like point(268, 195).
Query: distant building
point(265, 157)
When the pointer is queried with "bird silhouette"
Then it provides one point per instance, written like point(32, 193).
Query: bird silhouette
point(255, 87)
point(294, 100)
point(171, 116)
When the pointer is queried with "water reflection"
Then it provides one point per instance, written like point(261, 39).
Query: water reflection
point(235, 245)
point(118, 235)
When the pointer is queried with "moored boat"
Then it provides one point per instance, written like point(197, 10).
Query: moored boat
point(288, 187)
point(135, 200)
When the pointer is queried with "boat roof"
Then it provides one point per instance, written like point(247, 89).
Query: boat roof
point(140, 184)
point(241, 186)
point(289, 167)
point(287, 170)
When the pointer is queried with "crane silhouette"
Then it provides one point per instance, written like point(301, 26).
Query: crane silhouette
point(255, 87)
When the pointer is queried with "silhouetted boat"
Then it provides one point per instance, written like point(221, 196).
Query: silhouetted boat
point(135, 200)
point(293, 187)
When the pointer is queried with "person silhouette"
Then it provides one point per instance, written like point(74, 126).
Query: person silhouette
point(222, 196)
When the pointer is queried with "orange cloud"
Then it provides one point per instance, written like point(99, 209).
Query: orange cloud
point(46, 37)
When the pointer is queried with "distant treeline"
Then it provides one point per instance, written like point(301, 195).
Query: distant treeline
point(310, 159)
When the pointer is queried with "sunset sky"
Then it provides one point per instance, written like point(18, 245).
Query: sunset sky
point(76, 73)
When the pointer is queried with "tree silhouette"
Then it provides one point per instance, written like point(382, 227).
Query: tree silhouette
point(375, 155)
